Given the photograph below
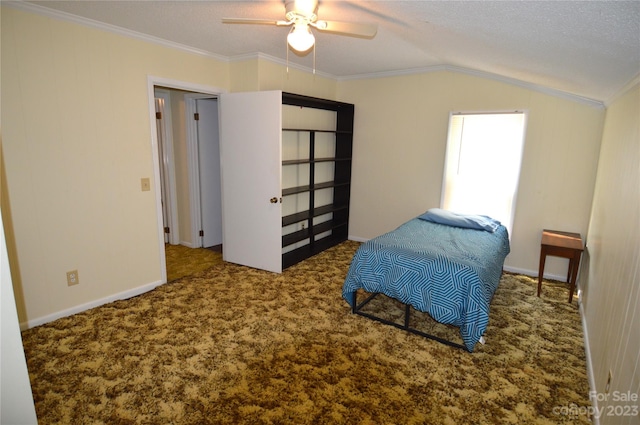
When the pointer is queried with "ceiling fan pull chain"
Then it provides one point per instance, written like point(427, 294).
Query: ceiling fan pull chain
point(287, 46)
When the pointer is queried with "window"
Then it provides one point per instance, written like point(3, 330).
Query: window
point(482, 166)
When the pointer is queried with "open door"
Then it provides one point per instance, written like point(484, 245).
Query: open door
point(250, 157)
point(209, 171)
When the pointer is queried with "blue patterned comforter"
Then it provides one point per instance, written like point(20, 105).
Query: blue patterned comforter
point(449, 272)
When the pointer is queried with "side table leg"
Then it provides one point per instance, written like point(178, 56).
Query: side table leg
point(543, 256)
point(575, 261)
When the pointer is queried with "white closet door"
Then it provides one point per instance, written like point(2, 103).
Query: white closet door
point(250, 156)
point(209, 168)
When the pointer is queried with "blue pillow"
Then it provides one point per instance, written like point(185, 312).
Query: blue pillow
point(450, 218)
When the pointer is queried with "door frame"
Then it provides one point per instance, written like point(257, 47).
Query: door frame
point(152, 82)
point(193, 159)
point(168, 168)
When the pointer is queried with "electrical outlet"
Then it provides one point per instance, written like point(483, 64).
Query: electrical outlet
point(607, 387)
point(72, 278)
point(580, 293)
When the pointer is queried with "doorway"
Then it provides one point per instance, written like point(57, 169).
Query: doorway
point(187, 185)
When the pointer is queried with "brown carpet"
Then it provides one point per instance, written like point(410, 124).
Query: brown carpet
point(183, 261)
point(233, 345)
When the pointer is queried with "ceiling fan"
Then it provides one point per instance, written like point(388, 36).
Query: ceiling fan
point(303, 14)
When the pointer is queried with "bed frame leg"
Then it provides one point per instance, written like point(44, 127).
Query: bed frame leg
point(354, 305)
point(356, 309)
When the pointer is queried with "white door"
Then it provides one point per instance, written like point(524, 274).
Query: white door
point(250, 156)
point(209, 169)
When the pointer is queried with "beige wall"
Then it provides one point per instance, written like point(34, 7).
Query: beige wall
point(274, 76)
point(399, 148)
point(77, 141)
point(77, 144)
point(245, 75)
point(16, 398)
point(611, 278)
point(261, 75)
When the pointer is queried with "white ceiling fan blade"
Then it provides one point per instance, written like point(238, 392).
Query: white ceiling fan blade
point(347, 28)
point(255, 21)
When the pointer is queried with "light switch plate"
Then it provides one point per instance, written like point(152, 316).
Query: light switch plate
point(145, 184)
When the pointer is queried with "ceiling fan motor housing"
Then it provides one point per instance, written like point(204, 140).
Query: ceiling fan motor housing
point(301, 9)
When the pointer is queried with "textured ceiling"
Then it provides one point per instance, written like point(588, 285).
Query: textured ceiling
point(586, 48)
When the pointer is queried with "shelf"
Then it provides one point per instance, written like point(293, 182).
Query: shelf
point(309, 130)
point(300, 235)
point(309, 161)
point(315, 102)
point(304, 215)
point(328, 155)
point(295, 256)
point(294, 237)
point(307, 188)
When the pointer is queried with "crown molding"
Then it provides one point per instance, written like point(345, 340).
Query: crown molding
point(482, 74)
point(624, 89)
point(33, 8)
point(535, 87)
point(396, 73)
point(68, 17)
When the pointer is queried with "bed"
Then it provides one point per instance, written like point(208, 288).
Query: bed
point(447, 267)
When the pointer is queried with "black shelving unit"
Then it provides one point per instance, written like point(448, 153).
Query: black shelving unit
point(324, 235)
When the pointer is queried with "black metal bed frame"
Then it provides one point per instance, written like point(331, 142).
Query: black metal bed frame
point(357, 309)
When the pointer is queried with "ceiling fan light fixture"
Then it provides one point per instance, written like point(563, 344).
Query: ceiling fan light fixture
point(300, 38)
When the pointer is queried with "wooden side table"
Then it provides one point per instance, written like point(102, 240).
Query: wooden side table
point(561, 244)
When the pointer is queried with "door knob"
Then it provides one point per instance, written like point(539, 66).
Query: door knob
point(273, 200)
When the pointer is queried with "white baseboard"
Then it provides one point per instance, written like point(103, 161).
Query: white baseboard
point(534, 273)
point(357, 238)
point(91, 304)
point(590, 375)
point(518, 270)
